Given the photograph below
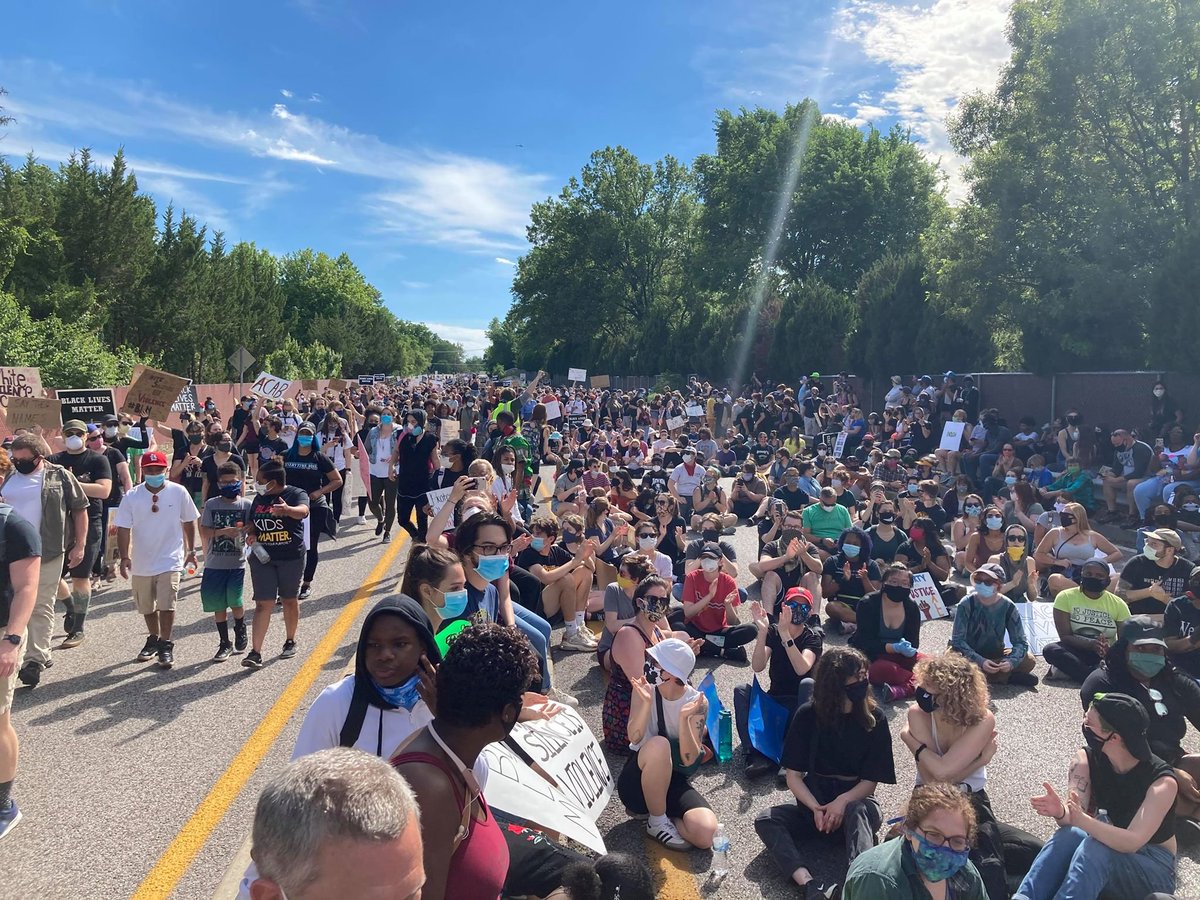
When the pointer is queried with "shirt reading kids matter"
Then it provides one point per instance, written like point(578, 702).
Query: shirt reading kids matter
point(282, 536)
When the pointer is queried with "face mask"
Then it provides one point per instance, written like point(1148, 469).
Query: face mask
point(1072, 470)
point(654, 675)
point(1015, 553)
point(225, 446)
point(1093, 584)
point(657, 467)
point(710, 565)
point(1094, 741)
point(887, 518)
point(156, 481)
point(624, 583)
point(747, 476)
point(507, 468)
point(1159, 392)
point(972, 510)
point(385, 420)
point(688, 457)
point(836, 483)
point(1149, 552)
point(403, 696)
point(1146, 664)
point(304, 440)
point(985, 591)
point(492, 567)
point(994, 522)
point(925, 700)
point(195, 438)
point(917, 534)
point(897, 593)
point(26, 466)
point(913, 488)
point(710, 534)
point(1066, 519)
point(851, 550)
point(246, 404)
point(110, 431)
point(230, 490)
point(417, 431)
point(1192, 507)
point(453, 604)
point(936, 863)
point(74, 442)
point(1010, 479)
point(857, 692)
point(828, 504)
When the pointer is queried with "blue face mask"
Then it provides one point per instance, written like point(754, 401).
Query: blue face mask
point(402, 695)
point(538, 543)
point(936, 863)
point(156, 481)
point(230, 490)
point(851, 550)
point(417, 431)
point(569, 537)
point(454, 603)
point(385, 420)
point(304, 440)
point(492, 567)
point(986, 591)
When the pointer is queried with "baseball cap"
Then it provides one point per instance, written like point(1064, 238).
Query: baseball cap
point(896, 379)
point(307, 426)
point(893, 454)
point(153, 458)
point(674, 657)
point(1167, 536)
point(993, 571)
point(1127, 717)
point(711, 549)
point(798, 595)
point(109, 419)
point(75, 425)
point(1142, 630)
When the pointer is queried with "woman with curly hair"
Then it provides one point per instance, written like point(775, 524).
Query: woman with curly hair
point(480, 688)
point(838, 748)
point(952, 735)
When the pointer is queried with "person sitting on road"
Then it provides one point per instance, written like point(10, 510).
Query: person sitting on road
point(981, 623)
point(1086, 619)
point(1064, 550)
point(565, 573)
point(666, 732)
point(1016, 564)
point(709, 499)
point(1150, 581)
point(1181, 627)
point(619, 609)
point(748, 492)
point(847, 576)
point(889, 633)
point(837, 750)
point(710, 600)
point(825, 521)
point(789, 562)
point(965, 527)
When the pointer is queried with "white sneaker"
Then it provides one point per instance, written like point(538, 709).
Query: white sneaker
point(667, 834)
point(576, 641)
point(563, 697)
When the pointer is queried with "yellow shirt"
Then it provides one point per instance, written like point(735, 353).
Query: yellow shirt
point(1092, 618)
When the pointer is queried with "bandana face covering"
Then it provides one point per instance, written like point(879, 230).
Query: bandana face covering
point(404, 695)
point(936, 863)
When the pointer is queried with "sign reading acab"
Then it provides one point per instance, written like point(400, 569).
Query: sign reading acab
point(267, 385)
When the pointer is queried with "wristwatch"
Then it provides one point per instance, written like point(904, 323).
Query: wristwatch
point(14, 639)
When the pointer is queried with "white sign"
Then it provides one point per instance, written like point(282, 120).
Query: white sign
point(839, 445)
point(696, 411)
point(577, 375)
point(570, 787)
point(676, 422)
point(925, 594)
point(554, 410)
point(1038, 619)
point(952, 434)
point(437, 499)
point(267, 385)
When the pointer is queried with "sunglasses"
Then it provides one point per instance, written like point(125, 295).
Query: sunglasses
point(1016, 539)
point(1159, 707)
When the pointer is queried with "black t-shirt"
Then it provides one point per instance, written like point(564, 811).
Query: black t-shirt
point(115, 457)
point(788, 577)
point(283, 536)
point(1140, 573)
point(852, 589)
point(656, 480)
point(558, 556)
point(885, 551)
point(740, 452)
point(849, 751)
point(308, 473)
point(88, 467)
point(763, 455)
point(694, 548)
point(797, 499)
point(412, 470)
point(784, 680)
point(21, 541)
point(1181, 620)
point(209, 467)
point(936, 513)
point(1123, 795)
point(911, 556)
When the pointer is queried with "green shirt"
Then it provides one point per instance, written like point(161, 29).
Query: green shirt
point(826, 523)
point(887, 871)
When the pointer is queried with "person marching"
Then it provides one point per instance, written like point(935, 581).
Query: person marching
point(223, 531)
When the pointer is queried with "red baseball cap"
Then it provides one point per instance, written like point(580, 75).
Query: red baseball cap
point(153, 458)
point(798, 595)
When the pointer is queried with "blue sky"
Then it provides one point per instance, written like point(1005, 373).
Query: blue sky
point(415, 136)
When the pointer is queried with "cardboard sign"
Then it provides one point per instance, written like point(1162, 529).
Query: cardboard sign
point(437, 499)
point(268, 386)
point(952, 433)
point(600, 381)
point(339, 384)
point(1038, 619)
point(925, 594)
point(554, 410)
point(695, 411)
point(676, 422)
point(577, 375)
point(839, 445)
point(310, 384)
point(187, 401)
point(19, 381)
point(87, 405)
point(152, 393)
point(570, 786)
point(29, 412)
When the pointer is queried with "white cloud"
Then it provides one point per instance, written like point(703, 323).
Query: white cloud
point(415, 285)
point(279, 111)
point(286, 93)
point(314, 98)
point(505, 262)
point(473, 340)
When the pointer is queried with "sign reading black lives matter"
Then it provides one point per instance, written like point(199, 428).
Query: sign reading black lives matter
point(90, 405)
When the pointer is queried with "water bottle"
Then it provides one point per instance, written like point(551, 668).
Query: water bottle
point(725, 736)
point(720, 853)
point(260, 552)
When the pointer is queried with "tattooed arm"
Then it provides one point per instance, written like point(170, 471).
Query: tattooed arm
point(1079, 780)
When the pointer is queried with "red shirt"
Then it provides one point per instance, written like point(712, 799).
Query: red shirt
point(712, 618)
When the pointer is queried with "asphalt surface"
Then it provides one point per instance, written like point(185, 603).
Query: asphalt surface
point(118, 756)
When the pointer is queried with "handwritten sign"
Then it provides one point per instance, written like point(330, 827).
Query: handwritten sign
point(601, 381)
point(554, 410)
point(30, 412)
point(152, 392)
point(87, 405)
point(339, 384)
point(839, 445)
point(437, 499)
point(310, 384)
point(695, 411)
point(19, 381)
point(676, 422)
point(952, 433)
point(926, 595)
point(1038, 619)
point(268, 386)
point(577, 375)
point(187, 401)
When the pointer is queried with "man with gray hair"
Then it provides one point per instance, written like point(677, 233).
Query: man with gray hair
point(336, 823)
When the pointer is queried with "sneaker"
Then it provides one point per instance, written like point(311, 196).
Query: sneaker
point(149, 650)
point(379, 528)
point(885, 693)
point(9, 817)
point(758, 766)
point(305, 591)
point(166, 654)
point(387, 538)
point(252, 660)
point(30, 674)
point(239, 636)
point(667, 834)
point(1023, 679)
point(289, 649)
point(834, 626)
point(563, 697)
point(736, 654)
point(69, 620)
point(1187, 829)
point(73, 639)
point(279, 603)
point(224, 651)
point(814, 891)
point(577, 641)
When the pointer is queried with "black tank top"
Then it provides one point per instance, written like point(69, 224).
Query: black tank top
point(1122, 795)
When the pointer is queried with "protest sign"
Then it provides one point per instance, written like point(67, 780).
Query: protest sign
point(90, 405)
point(676, 422)
point(577, 375)
point(380, 377)
point(437, 499)
point(839, 445)
point(1038, 619)
point(338, 384)
point(310, 384)
point(575, 422)
point(19, 381)
point(152, 393)
point(187, 401)
point(952, 433)
point(553, 411)
point(27, 412)
point(601, 381)
point(927, 597)
point(364, 380)
point(268, 386)
point(695, 411)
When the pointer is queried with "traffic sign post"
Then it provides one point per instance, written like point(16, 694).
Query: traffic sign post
point(241, 359)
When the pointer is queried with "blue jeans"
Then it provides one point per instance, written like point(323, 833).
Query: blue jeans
point(537, 632)
point(1074, 866)
point(1150, 492)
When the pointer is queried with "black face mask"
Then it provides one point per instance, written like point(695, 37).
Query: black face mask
point(856, 693)
point(887, 518)
point(925, 700)
point(25, 466)
point(1093, 583)
point(710, 534)
point(897, 593)
point(1094, 741)
point(225, 446)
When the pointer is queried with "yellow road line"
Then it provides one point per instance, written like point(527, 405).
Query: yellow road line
point(178, 857)
point(672, 882)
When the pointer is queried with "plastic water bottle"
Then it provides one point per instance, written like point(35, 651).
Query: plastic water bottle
point(725, 736)
point(260, 552)
point(720, 853)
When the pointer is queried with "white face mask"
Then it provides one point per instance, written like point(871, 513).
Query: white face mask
point(507, 468)
point(837, 482)
point(110, 431)
point(74, 442)
point(647, 543)
point(1159, 392)
point(710, 565)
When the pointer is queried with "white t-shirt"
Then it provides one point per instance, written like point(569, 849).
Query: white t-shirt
point(686, 484)
point(671, 710)
point(156, 540)
point(381, 461)
point(24, 492)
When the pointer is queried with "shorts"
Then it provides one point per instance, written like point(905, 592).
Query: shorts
point(9, 684)
point(278, 578)
point(91, 551)
point(681, 796)
point(155, 593)
point(221, 589)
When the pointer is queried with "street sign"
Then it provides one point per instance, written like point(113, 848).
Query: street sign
point(241, 359)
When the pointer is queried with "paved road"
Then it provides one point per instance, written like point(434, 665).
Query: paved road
point(129, 771)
